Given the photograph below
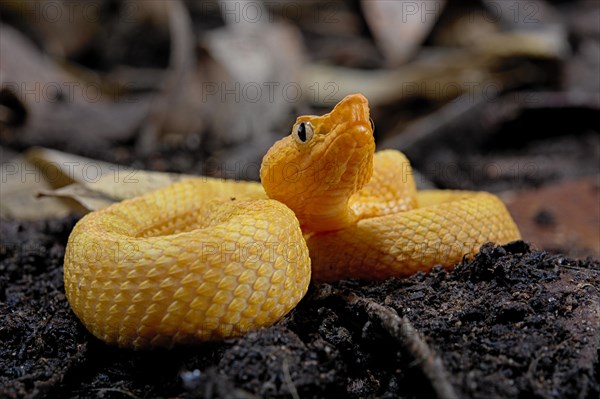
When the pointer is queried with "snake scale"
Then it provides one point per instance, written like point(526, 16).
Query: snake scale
point(206, 259)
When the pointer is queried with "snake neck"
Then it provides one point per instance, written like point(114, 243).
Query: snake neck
point(325, 207)
point(316, 170)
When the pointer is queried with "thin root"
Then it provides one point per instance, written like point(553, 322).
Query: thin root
point(409, 338)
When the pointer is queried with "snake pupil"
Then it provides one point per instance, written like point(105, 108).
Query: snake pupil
point(302, 132)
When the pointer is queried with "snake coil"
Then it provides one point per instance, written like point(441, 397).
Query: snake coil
point(186, 263)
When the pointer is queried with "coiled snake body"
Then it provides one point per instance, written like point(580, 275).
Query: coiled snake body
point(206, 259)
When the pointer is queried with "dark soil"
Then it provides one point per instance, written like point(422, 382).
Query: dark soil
point(514, 322)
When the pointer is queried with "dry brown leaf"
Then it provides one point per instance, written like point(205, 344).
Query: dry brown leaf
point(400, 27)
point(169, 106)
point(253, 84)
point(64, 27)
point(21, 181)
point(57, 106)
point(109, 180)
point(90, 200)
point(440, 75)
point(68, 183)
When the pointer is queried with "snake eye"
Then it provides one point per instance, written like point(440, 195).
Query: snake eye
point(303, 132)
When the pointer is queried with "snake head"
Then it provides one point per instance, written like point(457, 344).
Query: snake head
point(324, 160)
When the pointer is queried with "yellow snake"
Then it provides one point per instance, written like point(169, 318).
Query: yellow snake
point(206, 259)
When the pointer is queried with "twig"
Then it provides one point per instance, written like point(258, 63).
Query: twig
point(408, 337)
point(181, 63)
point(431, 126)
point(116, 390)
point(288, 380)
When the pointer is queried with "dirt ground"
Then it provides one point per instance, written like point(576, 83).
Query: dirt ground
point(514, 322)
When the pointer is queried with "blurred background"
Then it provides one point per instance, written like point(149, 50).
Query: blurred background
point(490, 95)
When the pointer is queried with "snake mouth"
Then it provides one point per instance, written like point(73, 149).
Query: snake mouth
point(361, 133)
point(352, 108)
point(353, 117)
point(350, 116)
